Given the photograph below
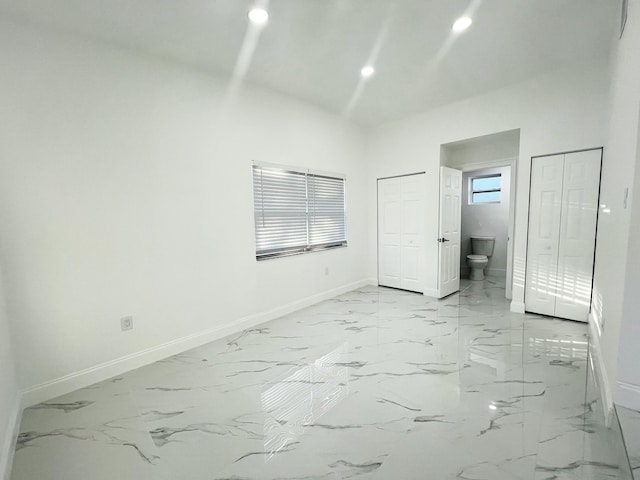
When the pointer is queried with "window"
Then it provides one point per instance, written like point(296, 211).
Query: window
point(297, 211)
point(485, 189)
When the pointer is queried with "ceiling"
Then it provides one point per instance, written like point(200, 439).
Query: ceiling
point(314, 49)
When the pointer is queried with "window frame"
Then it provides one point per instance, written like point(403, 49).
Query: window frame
point(312, 212)
point(488, 190)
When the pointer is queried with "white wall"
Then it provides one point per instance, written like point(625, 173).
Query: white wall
point(126, 190)
point(481, 150)
point(561, 111)
point(9, 401)
point(489, 219)
point(617, 276)
point(628, 381)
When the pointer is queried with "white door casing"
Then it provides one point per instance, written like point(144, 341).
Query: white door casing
point(510, 230)
point(449, 231)
point(562, 225)
point(401, 232)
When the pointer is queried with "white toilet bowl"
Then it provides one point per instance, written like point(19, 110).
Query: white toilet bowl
point(476, 264)
point(481, 250)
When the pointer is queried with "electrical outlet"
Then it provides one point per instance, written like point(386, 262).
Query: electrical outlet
point(126, 323)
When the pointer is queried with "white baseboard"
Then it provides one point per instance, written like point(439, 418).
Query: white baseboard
point(371, 281)
point(601, 372)
point(83, 378)
point(488, 272)
point(430, 292)
point(628, 395)
point(9, 440)
point(516, 307)
point(495, 272)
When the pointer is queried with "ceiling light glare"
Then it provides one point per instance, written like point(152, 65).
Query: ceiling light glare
point(461, 24)
point(367, 71)
point(258, 16)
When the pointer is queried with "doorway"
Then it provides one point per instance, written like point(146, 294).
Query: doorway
point(489, 167)
point(486, 208)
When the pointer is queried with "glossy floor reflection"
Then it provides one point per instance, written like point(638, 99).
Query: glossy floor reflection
point(630, 423)
point(374, 384)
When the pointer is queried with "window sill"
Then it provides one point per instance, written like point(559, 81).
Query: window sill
point(263, 257)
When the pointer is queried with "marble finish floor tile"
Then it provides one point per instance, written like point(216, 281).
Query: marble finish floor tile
point(374, 384)
point(630, 425)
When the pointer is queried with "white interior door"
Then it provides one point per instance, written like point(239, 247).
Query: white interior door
point(580, 191)
point(389, 232)
point(401, 227)
point(562, 225)
point(449, 231)
point(544, 233)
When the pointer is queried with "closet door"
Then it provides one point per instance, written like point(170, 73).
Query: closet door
point(545, 203)
point(389, 232)
point(577, 234)
point(401, 231)
point(412, 238)
point(563, 211)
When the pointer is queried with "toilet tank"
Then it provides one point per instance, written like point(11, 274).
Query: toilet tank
point(482, 245)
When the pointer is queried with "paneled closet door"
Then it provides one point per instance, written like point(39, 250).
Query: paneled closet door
point(401, 232)
point(413, 226)
point(577, 234)
point(390, 232)
point(544, 234)
point(562, 227)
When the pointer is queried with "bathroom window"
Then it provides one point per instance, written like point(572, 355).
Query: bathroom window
point(297, 211)
point(485, 189)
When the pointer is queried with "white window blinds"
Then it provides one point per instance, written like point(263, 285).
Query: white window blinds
point(326, 210)
point(297, 211)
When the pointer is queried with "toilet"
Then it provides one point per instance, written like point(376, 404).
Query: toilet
point(481, 250)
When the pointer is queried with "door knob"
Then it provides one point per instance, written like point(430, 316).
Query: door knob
point(442, 240)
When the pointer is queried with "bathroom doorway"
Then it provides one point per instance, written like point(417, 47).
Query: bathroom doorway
point(485, 206)
point(489, 165)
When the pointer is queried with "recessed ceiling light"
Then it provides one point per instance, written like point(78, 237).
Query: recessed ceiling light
point(461, 24)
point(258, 15)
point(367, 71)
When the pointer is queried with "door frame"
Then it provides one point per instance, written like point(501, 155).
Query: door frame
point(511, 162)
point(595, 241)
point(378, 219)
